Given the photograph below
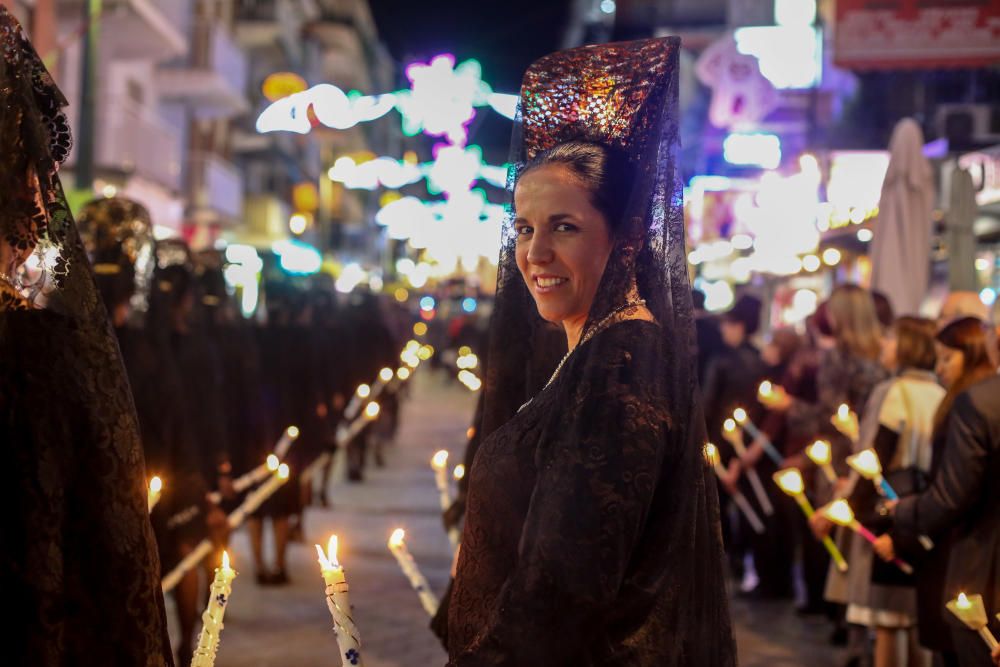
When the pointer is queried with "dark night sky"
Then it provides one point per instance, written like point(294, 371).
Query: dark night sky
point(504, 35)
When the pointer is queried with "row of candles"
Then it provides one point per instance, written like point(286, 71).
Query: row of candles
point(361, 410)
point(967, 608)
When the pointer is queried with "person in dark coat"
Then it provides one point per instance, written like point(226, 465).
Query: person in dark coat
point(964, 497)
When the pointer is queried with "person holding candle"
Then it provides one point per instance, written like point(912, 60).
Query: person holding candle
point(117, 234)
point(960, 474)
point(78, 568)
point(898, 426)
point(592, 530)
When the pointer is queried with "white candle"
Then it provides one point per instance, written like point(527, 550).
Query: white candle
point(153, 493)
point(208, 641)
point(734, 436)
point(821, 454)
point(712, 455)
point(397, 545)
point(339, 603)
point(846, 421)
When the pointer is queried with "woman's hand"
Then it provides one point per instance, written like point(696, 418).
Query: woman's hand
point(820, 525)
point(753, 454)
point(884, 547)
point(996, 656)
point(776, 400)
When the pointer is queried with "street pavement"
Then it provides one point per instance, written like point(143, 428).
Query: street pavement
point(290, 626)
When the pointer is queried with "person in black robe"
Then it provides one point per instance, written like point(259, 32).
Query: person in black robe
point(78, 565)
point(117, 233)
point(592, 528)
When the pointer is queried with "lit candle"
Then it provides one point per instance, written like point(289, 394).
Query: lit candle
point(790, 481)
point(354, 406)
point(766, 389)
point(153, 493)
point(846, 421)
point(741, 418)
point(439, 463)
point(208, 641)
point(403, 373)
point(339, 603)
point(841, 514)
point(284, 444)
point(397, 545)
point(425, 352)
point(459, 472)
point(347, 433)
point(821, 454)
point(734, 436)
point(712, 456)
point(970, 610)
point(868, 466)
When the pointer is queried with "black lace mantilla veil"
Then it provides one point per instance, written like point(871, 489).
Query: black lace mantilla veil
point(620, 429)
point(78, 564)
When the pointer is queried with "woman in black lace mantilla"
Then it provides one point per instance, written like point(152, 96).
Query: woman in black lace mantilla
point(592, 533)
point(78, 566)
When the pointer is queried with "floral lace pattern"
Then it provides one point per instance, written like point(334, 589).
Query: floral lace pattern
point(78, 567)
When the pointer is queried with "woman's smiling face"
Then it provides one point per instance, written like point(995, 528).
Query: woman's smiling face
point(563, 243)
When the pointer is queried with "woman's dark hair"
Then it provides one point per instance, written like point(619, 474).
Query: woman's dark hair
point(603, 170)
point(968, 335)
point(915, 343)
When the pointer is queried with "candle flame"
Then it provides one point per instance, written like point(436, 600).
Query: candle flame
point(765, 388)
point(470, 432)
point(292, 431)
point(740, 415)
point(403, 373)
point(711, 453)
point(866, 462)
point(283, 471)
point(385, 374)
point(459, 471)
point(844, 411)
point(729, 425)
point(372, 409)
point(839, 512)
point(790, 481)
point(156, 484)
point(364, 391)
point(397, 537)
point(272, 462)
point(439, 460)
point(225, 560)
point(819, 452)
point(962, 602)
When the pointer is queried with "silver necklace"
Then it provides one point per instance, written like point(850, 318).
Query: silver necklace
point(603, 324)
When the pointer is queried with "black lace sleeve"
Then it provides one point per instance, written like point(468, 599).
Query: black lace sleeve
point(598, 461)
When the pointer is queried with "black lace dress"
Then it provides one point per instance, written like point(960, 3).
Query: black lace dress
point(79, 573)
point(588, 538)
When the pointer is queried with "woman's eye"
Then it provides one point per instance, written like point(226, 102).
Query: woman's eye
point(565, 227)
point(524, 230)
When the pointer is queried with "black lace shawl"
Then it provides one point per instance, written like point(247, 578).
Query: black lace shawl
point(592, 533)
point(78, 566)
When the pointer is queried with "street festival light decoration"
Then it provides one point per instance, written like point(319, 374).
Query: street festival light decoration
point(441, 102)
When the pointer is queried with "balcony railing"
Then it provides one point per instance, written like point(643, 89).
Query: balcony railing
point(214, 77)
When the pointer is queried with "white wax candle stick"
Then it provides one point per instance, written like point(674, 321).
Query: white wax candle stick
point(397, 546)
point(735, 438)
point(208, 640)
point(153, 493)
point(339, 603)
